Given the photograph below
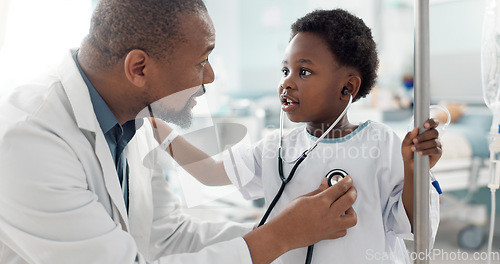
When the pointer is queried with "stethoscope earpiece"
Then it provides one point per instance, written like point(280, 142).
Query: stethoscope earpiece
point(345, 91)
point(335, 176)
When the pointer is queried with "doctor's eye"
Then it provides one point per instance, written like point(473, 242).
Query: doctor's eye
point(305, 72)
point(203, 63)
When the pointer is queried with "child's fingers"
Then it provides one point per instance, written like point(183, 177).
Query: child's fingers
point(430, 133)
point(410, 136)
point(434, 143)
point(431, 123)
point(427, 135)
point(431, 152)
point(430, 147)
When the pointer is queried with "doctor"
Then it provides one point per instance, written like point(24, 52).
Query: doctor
point(73, 187)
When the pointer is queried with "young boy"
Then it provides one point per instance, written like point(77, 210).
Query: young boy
point(331, 57)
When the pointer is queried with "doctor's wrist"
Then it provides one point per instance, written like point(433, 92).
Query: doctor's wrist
point(266, 244)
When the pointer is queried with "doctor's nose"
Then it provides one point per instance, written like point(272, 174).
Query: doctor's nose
point(208, 73)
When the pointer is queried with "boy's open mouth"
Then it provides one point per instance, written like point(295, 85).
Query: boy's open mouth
point(287, 103)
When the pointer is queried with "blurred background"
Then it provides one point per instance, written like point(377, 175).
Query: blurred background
point(251, 39)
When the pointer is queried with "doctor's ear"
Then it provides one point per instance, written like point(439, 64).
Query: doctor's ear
point(135, 67)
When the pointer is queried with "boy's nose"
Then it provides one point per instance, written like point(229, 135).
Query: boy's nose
point(288, 82)
point(284, 90)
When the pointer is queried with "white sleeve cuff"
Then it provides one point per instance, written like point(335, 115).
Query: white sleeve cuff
point(166, 142)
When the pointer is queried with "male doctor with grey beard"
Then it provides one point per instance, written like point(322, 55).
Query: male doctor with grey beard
point(73, 187)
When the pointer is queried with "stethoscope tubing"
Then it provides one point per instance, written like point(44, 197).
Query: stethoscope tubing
point(298, 161)
point(315, 144)
point(284, 182)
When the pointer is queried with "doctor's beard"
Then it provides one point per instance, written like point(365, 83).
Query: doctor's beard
point(184, 117)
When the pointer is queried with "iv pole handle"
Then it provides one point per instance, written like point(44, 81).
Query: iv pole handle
point(421, 223)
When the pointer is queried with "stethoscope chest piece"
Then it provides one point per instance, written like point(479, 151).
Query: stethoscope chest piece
point(335, 176)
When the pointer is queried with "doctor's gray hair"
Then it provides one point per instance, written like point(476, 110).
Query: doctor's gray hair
point(119, 26)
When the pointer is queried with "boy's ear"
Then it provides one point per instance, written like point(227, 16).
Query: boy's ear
point(135, 67)
point(352, 84)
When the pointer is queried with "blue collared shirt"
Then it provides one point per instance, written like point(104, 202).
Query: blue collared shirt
point(117, 136)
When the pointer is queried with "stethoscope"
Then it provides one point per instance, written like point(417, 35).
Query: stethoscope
point(333, 176)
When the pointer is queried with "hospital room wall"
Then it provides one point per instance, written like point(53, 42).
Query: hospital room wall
point(455, 46)
point(251, 38)
point(4, 7)
point(37, 33)
point(259, 32)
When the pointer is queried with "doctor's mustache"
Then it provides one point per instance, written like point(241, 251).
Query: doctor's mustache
point(200, 92)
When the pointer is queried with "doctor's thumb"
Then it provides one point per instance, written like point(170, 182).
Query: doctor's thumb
point(343, 186)
point(339, 189)
point(323, 186)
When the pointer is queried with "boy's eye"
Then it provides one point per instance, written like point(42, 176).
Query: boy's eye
point(284, 71)
point(304, 72)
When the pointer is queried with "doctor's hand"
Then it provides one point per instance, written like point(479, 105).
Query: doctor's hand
point(331, 208)
point(325, 213)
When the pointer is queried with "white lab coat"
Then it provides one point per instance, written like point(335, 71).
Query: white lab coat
point(60, 197)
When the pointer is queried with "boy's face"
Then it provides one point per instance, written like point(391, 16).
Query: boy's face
point(311, 86)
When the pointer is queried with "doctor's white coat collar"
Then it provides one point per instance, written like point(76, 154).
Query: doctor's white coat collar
point(79, 98)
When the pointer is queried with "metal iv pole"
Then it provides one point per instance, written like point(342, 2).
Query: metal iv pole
point(421, 222)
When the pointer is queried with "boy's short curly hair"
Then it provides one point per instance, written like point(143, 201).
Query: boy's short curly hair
point(119, 26)
point(349, 39)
